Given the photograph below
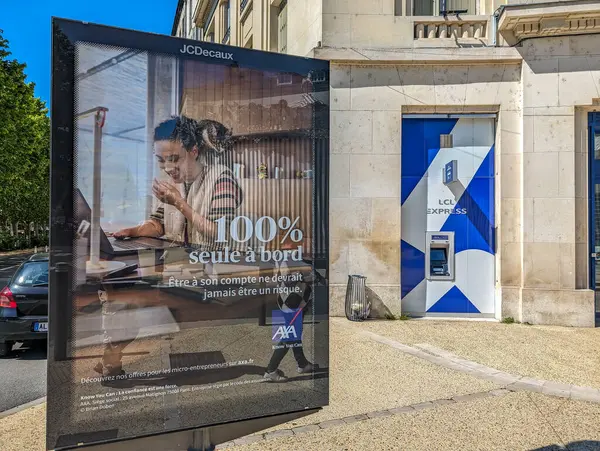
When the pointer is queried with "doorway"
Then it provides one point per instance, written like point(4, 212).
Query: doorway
point(448, 246)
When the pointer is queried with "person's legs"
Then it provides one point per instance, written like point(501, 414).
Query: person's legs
point(299, 354)
point(112, 358)
point(277, 357)
point(304, 366)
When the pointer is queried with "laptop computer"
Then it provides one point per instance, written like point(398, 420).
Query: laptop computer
point(110, 245)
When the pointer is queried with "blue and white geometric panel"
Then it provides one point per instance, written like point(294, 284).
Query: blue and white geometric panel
point(466, 207)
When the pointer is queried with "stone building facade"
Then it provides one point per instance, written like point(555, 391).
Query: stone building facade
point(473, 125)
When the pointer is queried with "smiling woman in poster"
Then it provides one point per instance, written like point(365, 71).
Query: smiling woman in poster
point(201, 188)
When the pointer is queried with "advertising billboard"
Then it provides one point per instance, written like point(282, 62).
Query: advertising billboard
point(189, 247)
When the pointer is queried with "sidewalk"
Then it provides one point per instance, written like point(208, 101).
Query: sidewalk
point(561, 354)
point(22, 251)
point(515, 421)
point(431, 385)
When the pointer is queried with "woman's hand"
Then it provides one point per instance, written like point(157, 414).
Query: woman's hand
point(167, 193)
point(124, 233)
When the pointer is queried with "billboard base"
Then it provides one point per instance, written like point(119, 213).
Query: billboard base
point(204, 439)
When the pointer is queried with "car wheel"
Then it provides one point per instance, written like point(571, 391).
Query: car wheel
point(5, 348)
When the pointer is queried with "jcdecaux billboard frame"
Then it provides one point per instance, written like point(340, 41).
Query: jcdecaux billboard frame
point(189, 235)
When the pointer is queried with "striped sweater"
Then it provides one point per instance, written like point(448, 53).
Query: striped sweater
point(226, 198)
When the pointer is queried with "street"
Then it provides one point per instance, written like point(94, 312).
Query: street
point(23, 373)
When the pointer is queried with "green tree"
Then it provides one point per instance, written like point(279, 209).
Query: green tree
point(24, 146)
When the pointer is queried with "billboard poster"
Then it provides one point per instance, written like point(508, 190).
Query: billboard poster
point(188, 282)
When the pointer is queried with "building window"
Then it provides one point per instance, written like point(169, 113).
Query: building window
point(183, 27)
point(188, 15)
point(284, 79)
point(423, 8)
point(226, 21)
point(282, 28)
point(398, 7)
point(210, 32)
point(227, 14)
point(438, 7)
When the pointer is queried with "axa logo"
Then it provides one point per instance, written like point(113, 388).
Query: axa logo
point(199, 51)
point(285, 333)
point(287, 325)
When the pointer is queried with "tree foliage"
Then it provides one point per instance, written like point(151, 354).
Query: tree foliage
point(24, 146)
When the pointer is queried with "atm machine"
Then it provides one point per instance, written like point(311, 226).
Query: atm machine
point(439, 256)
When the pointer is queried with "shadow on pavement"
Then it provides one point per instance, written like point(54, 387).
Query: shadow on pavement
point(27, 353)
point(584, 445)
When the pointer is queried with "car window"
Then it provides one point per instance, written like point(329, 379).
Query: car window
point(32, 273)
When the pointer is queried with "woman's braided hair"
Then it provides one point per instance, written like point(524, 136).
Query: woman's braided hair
point(210, 136)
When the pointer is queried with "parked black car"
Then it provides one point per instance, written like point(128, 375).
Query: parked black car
point(24, 305)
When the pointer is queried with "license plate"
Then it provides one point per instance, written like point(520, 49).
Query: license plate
point(40, 327)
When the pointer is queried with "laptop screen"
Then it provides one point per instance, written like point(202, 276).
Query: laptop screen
point(83, 221)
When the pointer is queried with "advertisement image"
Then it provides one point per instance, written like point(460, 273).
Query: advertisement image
point(189, 235)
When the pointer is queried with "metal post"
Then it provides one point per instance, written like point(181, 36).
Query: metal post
point(99, 119)
point(201, 440)
point(262, 319)
point(150, 113)
point(175, 87)
point(60, 334)
point(99, 114)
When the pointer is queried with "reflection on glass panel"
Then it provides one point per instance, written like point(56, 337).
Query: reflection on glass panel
point(597, 146)
point(117, 80)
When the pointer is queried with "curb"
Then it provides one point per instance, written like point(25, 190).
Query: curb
point(22, 407)
point(18, 252)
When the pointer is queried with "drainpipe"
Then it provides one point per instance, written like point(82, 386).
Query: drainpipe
point(494, 25)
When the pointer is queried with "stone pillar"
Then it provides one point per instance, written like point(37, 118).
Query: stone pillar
point(509, 140)
point(549, 294)
point(235, 23)
point(259, 26)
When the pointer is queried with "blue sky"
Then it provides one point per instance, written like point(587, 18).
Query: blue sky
point(26, 25)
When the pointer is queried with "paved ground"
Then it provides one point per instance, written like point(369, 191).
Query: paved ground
point(415, 385)
point(516, 421)
point(562, 354)
point(23, 374)
point(23, 378)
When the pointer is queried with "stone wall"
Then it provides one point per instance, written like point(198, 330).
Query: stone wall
point(365, 24)
point(542, 105)
point(305, 26)
point(367, 103)
point(561, 77)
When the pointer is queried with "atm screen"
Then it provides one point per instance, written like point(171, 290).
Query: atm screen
point(438, 255)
